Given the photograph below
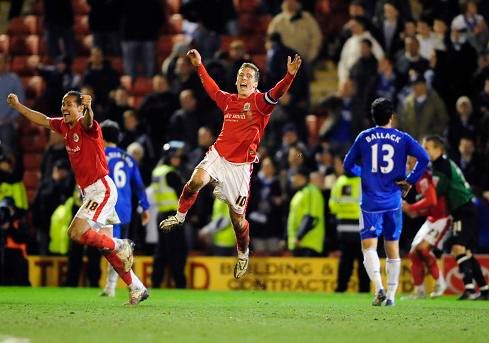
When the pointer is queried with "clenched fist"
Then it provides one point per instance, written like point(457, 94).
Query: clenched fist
point(12, 100)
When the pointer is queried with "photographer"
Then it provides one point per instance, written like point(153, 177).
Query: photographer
point(14, 267)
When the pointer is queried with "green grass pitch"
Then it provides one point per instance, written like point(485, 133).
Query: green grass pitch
point(80, 315)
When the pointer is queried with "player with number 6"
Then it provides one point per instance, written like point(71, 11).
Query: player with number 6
point(379, 156)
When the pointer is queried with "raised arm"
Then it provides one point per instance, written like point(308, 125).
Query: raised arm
point(34, 116)
point(87, 121)
point(210, 85)
point(283, 85)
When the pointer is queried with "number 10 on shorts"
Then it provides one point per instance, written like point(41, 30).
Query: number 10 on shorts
point(241, 201)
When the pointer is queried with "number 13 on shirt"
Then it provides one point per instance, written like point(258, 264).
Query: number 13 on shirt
point(387, 155)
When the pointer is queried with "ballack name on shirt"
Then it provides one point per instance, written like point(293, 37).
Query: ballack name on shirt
point(382, 135)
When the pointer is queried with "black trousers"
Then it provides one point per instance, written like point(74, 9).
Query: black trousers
point(171, 250)
point(351, 250)
point(305, 252)
point(75, 265)
point(14, 268)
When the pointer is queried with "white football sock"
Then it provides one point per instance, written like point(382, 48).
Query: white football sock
point(136, 283)
point(393, 269)
point(372, 266)
point(112, 277)
point(243, 255)
point(180, 216)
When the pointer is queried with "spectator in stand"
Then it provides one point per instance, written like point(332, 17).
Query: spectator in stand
point(277, 54)
point(423, 111)
point(386, 84)
point(118, 104)
point(100, 76)
point(474, 24)
point(409, 60)
point(52, 192)
point(390, 28)
point(463, 123)
point(290, 138)
point(138, 45)
point(54, 152)
point(483, 127)
point(265, 210)
point(134, 132)
point(9, 83)
point(440, 34)
point(462, 55)
point(471, 163)
point(186, 78)
point(204, 141)
point(59, 79)
point(179, 49)
point(104, 20)
point(299, 30)
point(234, 58)
point(185, 122)
point(351, 51)
point(157, 108)
point(361, 73)
point(427, 39)
point(58, 28)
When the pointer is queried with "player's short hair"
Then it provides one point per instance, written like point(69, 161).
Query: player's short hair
point(437, 140)
point(110, 131)
point(75, 94)
point(252, 66)
point(381, 111)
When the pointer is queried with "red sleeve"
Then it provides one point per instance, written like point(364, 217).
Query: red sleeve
point(212, 88)
point(429, 199)
point(270, 99)
point(56, 125)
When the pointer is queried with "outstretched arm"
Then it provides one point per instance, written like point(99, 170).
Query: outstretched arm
point(34, 116)
point(283, 85)
point(86, 101)
point(210, 85)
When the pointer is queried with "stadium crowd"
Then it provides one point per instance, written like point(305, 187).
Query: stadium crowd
point(431, 58)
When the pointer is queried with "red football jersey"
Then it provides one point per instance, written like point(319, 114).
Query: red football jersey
point(436, 207)
point(85, 149)
point(245, 119)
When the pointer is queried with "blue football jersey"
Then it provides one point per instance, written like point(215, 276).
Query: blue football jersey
point(382, 154)
point(124, 171)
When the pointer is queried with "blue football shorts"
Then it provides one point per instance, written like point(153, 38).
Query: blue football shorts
point(386, 223)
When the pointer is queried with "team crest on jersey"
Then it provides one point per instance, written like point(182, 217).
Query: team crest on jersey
point(76, 138)
point(246, 107)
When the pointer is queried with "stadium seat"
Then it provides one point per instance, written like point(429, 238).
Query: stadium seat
point(81, 25)
point(31, 179)
point(33, 143)
point(243, 6)
point(164, 45)
point(142, 86)
point(20, 67)
point(4, 44)
point(32, 161)
point(24, 45)
point(24, 25)
point(80, 7)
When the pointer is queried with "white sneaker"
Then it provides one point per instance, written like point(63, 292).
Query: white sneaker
point(126, 254)
point(138, 295)
point(169, 223)
point(241, 267)
point(440, 288)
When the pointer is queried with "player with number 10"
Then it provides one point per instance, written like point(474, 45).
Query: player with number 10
point(228, 163)
point(379, 156)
